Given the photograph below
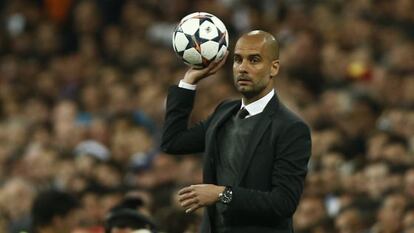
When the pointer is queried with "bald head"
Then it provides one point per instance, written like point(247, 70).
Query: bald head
point(255, 63)
point(270, 43)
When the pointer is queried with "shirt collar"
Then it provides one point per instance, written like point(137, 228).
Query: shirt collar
point(258, 106)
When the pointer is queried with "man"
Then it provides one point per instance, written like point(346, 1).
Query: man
point(55, 212)
point(256, 150)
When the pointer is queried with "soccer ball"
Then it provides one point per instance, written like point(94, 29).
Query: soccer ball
point(199, 39)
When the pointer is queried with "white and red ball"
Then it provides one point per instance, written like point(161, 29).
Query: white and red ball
point(199, 39)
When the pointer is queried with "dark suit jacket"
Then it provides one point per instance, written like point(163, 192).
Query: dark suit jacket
point(272, 174)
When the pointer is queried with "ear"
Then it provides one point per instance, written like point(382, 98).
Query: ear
point(274, 69)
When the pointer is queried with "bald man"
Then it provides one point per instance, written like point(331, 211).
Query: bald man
point(256, 150)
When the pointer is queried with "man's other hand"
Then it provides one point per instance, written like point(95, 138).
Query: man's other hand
point(194, 197)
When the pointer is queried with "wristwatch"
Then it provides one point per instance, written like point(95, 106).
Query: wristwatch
point(226, 196)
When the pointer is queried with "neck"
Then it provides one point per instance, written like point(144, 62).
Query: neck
point(250, 99)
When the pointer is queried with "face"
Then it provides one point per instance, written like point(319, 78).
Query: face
point(348, 222)
point(310, 211)
point(391, 212)
point(253, 67)
point(409, 183)
point(376, 176)
point(69, 222)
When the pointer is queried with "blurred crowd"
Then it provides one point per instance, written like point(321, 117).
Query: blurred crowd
point(83, 85)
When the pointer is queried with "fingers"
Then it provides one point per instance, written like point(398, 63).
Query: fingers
point(185, 190)
point(194, 75)
point(189, 202)
point(194, 197)
point(188, 199)
point(186, 196)
point(193, 208)
point(215, 65)
point(218, 64)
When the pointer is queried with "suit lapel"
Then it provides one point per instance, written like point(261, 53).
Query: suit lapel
point(226, 114)
point(257, 135)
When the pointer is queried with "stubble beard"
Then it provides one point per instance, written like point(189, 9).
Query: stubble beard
point(247, 91)
point(251, 91)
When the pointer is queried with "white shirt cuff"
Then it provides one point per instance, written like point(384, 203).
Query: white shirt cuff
point(185, 85)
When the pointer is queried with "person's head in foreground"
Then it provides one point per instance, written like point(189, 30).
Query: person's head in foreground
point(55, 211)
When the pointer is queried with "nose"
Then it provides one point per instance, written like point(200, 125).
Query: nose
point(242, 66)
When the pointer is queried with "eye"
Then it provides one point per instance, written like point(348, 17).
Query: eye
point(237, 59)
point(255, 59)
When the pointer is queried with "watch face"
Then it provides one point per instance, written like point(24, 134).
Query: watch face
point(225, 199)
point(226, 196)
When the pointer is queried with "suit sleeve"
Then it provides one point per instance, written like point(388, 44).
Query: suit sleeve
point(177, 138)
point(293, 151)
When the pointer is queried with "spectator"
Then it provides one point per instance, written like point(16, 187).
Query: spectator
point(124, 218)
point(350, 220)
point(55, 211)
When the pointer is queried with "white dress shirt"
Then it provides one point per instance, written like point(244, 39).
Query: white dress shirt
point(258, 106)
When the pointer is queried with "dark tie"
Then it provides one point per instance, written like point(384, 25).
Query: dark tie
point(242, 113)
